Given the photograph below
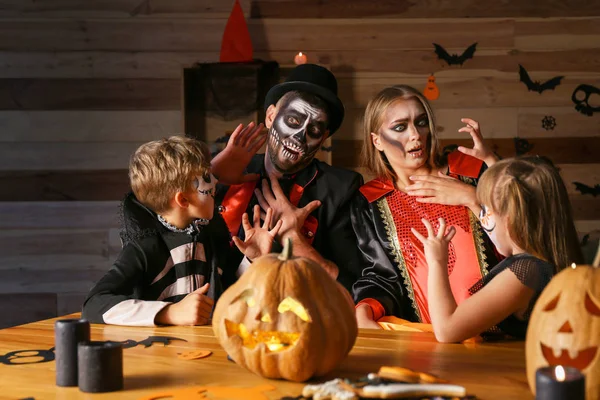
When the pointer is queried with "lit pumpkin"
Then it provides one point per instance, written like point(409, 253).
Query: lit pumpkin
point(431, 91)
point(564, 328)
point(286, 318)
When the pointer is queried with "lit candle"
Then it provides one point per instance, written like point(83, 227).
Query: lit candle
point(559, 383)
point(300, 59)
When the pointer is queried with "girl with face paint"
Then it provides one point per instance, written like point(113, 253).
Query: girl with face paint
point(414, 181)
point(527, 214)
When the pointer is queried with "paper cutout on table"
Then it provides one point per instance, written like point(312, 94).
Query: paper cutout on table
point(548, 122)
point(585, 189)
point(236, 45)
point(194, 354)
point(212, 392)
point(522, 146)
point(29, 356)
point(149, 341)
point(537, 86)
point(581, 98)
point(455, 59)
point(431, 91)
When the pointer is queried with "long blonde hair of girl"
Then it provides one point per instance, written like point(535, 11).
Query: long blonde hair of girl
point(530, 191)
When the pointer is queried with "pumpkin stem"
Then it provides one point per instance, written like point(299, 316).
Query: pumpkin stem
point(286, 254)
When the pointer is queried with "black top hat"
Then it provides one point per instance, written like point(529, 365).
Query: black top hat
point(312, 78)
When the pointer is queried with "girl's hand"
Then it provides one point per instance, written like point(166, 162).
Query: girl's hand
point(436, 245)
point(259, 240)
point(479, 150)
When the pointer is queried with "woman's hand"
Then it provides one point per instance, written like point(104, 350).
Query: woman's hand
point(479, 150)
point(364, 317)
point(436, 244)
point(443, 189)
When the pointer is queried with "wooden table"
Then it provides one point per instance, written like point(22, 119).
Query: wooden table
point(487, 370)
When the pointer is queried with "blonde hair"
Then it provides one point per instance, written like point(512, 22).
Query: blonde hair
point(161, 168)
point(530, 191)
point(375, 160)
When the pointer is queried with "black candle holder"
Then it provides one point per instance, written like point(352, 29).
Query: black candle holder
point(100, 367)
point(68, 333)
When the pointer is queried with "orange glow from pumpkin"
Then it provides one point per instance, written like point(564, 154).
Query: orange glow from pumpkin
point(275, 341)
point(559, 372)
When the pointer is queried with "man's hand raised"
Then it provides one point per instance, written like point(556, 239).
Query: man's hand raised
point(229, 165)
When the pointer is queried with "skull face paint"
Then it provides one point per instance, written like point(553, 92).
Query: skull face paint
point(581, 97)
point(298, 130)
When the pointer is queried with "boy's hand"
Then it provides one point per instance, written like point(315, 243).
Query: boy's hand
point(435, 245)
point(364, 317)
point(258, 239)
point(229, 165)
point(194, 309)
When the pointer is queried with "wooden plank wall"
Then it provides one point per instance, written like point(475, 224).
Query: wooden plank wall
point(83, 83)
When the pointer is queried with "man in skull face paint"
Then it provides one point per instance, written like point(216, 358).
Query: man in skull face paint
point(309, 196)
point(297, 132)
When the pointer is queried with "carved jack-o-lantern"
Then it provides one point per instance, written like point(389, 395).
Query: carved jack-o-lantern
point(431, 91)
point(564, 328)
point(286, 318)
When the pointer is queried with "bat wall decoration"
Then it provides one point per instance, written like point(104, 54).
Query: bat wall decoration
point(455, 59)
point(585, 189)
point(537, 86)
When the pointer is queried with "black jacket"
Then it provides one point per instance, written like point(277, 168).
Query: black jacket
point(329, 229)
point(155, 267)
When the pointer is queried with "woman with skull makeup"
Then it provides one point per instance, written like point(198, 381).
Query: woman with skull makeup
point(414, 180)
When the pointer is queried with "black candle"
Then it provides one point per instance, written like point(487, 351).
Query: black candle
point(67, 335)
point(559, 383)
point(100, 367)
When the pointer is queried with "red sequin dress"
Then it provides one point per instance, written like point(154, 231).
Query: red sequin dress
point(394, 277)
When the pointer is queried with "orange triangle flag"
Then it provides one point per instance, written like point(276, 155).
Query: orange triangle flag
point(236, 45)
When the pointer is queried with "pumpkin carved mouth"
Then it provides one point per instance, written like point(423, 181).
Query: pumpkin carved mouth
point(581, 361)
point(273, 340)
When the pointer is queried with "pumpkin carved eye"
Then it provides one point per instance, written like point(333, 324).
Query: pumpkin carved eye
point(552, 304)
point(591, 306)
point(289, 304)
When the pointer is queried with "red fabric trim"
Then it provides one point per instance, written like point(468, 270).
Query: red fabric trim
point(309, 229)
point(235, 203)
point(296, 194)
point(376, 189)
point(378, 310)
point(464, 165)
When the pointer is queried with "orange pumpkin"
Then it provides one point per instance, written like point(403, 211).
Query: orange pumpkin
point(286, 318)
point(564, 328)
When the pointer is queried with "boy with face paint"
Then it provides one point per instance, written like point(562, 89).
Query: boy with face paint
point(168, 271)
point(310, 197)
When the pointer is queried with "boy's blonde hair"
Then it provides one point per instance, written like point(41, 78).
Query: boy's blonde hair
point(161, 168)
point(530, 191)
point(375, 160)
